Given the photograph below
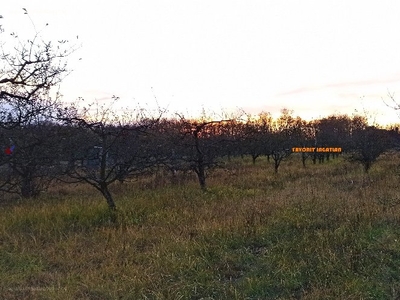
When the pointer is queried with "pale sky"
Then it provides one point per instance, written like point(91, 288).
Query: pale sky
point(314, 57)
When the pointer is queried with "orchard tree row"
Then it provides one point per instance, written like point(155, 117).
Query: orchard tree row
point(71, 145)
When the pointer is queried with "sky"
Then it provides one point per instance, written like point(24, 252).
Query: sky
point(316, 58)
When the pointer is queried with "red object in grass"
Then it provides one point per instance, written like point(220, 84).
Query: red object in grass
point(9, 150)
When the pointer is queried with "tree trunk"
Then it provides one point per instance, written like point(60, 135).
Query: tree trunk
point(106, 193)
point(276, 166)
point(201, 175)
point(303, 159)
point(200, 169)
point(367, 166)
point(27, 187)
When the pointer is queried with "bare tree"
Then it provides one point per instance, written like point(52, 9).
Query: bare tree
point(368, 145)
point(200, 145)
point(334, 131)
point(256, 135)
point(28, 75)
point(32, 162)
point(284, 137)
point(280, 151)
point(107, 147)
point(28, 110)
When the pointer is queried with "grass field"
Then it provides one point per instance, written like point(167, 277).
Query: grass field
point(322, 232)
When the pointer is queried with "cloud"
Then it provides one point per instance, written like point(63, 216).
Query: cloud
point(346, 84)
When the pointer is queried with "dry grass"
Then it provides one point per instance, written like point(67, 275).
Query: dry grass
point(324, 232)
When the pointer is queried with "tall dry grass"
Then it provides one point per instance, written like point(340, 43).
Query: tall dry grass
point(327, 231)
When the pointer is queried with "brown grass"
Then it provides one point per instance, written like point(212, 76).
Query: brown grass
point(322, 232)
